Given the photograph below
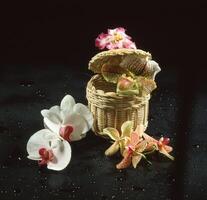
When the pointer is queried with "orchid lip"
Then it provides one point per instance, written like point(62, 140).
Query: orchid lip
point(66, 131)
point(46, 156)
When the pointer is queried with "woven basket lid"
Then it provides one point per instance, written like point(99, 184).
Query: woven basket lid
point(131, 59)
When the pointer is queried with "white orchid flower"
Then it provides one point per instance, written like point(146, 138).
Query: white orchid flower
point(69, 121)
point(45, 147)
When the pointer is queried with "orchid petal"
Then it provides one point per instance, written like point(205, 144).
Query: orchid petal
point(140, 129)
point(127, 128)
point(55, 109)
point(67, 103)
point(62, 152)
point(141, 146)
point(54, 117)
point(163, 151)
point(112, 149)
point(153, 142)
point(149, 138)
point(120, 29)
point(52, 126)
point(34, 157)
point(134, 139)
point(135, 160)
point(41, 139)
point(126, 162)
point(80, 127)
point(122, 144)
point(168, 148)
point(85, 113)
point(66, 116)
point(45, 112)
point(112, 133)
point(151, 146)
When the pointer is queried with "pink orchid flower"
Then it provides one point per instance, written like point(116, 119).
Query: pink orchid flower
point(133, 151)
point(161, 145)
point(114, 39)
point(140, 144)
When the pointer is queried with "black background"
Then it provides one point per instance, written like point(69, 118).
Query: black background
point(45, 49)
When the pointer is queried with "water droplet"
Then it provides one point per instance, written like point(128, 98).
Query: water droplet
point(26, 83)
point(17, 190)
point(4, 130)
point(197, 146)
point(92, 182)
point(120, 178)
point(40, 93)
point(137, 188)
point(113, 197)
point(19, 124)
point(103, 197)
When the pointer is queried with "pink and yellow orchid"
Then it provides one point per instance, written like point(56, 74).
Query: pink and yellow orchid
point(160, 145)
point(134, 149)
point(114, 39)
point(134, 145)
point(119, 139)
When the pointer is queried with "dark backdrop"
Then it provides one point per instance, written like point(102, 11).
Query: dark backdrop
point(64, 31)
point(45, 38)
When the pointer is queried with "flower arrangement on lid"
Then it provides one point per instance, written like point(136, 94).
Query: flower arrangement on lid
point(130, 68)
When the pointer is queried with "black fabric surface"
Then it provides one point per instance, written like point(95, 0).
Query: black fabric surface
point(27, 89)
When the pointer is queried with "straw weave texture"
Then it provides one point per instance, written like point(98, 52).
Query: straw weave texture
point(128, 58)
point(111, 110)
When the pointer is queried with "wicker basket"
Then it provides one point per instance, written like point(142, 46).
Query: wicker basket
point(111, 110)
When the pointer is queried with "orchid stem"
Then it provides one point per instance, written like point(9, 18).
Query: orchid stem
point(149, 152)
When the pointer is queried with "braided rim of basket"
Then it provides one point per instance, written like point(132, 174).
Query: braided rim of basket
point(96, 62)
point(113, 95)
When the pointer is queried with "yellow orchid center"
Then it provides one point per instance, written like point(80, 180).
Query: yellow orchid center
point(117, 37)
